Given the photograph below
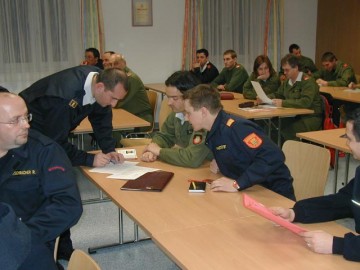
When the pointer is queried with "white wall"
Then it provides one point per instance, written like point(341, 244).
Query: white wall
point(300, 25)
point(153, 52)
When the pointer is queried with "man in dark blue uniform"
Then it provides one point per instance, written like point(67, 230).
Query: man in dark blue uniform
point(344, 204)
point(36, 176)
point(61, 101)
point(203, 69)
point(242, 152)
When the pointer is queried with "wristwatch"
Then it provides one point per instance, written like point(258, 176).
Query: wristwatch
point(236, 185)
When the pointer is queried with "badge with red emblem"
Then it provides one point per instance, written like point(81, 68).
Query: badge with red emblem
point(253, 141)
point(197, 139)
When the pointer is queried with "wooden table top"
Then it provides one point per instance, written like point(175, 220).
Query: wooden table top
point(213, 230)
point(121, 120)
point(330, 138)
point(342, 93)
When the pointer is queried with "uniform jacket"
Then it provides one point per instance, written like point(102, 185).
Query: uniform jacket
point(244, 153)
point(208, 75)
point(136, 100)
point(56, 103)
point(341, 76)
point(269, 86)
point(344, 204)
point(38, 181)
point(192, 150)
point(233, 79)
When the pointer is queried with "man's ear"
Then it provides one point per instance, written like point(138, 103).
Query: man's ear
point(99, 87)
point(204, 112)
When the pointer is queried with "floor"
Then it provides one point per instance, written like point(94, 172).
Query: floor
point(99, 226)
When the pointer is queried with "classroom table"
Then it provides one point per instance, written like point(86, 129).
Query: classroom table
point(157, 87)
point(332, 138)
point(342, 93)
point(213, 230)
point(122, 120)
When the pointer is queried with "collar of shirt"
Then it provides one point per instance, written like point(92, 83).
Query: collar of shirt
point(204, 67)
point(181, 116)
point(298, 79)
point(89, 98)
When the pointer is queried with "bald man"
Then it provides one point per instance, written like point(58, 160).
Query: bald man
point(36, 176)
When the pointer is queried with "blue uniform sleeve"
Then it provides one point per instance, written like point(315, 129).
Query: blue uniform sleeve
point(63, 207)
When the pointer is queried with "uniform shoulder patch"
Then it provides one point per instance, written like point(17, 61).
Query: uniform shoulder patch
point(237, 66)
point(129, 74)
point(306, 78)
point(345, 65)
point(229, 122)
point(208, 66)
point(253, 141)
point(197, 139)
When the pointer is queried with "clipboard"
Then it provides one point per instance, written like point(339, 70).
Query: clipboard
point(151, 181)
point(260, 209)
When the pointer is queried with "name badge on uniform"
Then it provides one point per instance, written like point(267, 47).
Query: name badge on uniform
point(73, 103)
point(221, 147)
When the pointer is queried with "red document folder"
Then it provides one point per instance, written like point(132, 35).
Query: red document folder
point(260, 209)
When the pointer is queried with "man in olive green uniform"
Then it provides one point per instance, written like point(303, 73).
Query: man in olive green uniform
point(298, 91)
point(334, 72)
point(233, 76)
point(177, 143)
point(136, 100)
point(306, 64)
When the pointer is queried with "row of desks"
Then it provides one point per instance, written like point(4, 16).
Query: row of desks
point(213, 230)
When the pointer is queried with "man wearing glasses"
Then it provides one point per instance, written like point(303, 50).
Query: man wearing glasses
point(36, 176)
point(176, 131)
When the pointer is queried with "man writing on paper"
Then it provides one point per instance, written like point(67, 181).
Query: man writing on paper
point(345, 203)
point(242, 152)
point(190, 150)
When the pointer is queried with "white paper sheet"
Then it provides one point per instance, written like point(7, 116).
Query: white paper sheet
point(260, 92)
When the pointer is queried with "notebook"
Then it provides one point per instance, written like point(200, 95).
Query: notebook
point(151, 181)
point(260, 209)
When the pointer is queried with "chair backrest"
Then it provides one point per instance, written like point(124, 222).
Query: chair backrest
point(152, 96)
point(81, 261)
point(309, 166)
point(56, 247)
point(165, 110)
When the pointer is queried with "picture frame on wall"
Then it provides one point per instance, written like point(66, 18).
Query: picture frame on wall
point(142, 13)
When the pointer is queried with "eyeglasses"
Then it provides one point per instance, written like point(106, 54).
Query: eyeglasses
point(21, 119)
point(175, 98)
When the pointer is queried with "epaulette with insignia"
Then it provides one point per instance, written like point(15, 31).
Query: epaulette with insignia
point(208, 66)
point(129, 74)
point(230, 122)
point(306, 77)
point(73, 103)
point(345, 65)
point(237, 66)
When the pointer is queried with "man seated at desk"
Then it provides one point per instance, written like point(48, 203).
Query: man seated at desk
point(203, 68)
point(233, 76)
point(177, 143)
point(298, 91)
point(345, 203)
point(242, 152)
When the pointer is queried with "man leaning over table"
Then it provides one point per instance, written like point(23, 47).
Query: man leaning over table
point(344, 204)
point(233, 76)
point(298, 91)
point(242, 152)
point(176, 142)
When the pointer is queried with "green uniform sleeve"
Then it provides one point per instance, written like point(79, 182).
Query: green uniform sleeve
point(238, 78)
point(165, 138)
point(303, 96)
point(248, 89)
point(191, 156)
point(345, 76)
point(220, 79)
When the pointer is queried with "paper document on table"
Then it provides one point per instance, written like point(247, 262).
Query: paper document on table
point(260, 92)
point(126, 171)
point(260, 209)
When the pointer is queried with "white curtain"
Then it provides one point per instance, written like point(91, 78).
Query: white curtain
point(237, 25)
point(38, 38)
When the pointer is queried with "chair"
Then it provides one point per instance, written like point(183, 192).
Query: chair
point(164, 112)
point(56, 247)
point(79, 260)
point(309, 166)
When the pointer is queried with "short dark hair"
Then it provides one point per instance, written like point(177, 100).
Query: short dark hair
point(111, 77)
point(94, 51)
point(204, 51)
point(182, 80)
point(204, 95)
point(3, 89)
point(328, 57)
point(231, 52)
point(292, 60)
point(354, 117)
point(293, 47)
point(111, 52)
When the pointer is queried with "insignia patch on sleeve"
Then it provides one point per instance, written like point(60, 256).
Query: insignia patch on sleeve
point(197, 139)
point(230, 122)
point(253, 141)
